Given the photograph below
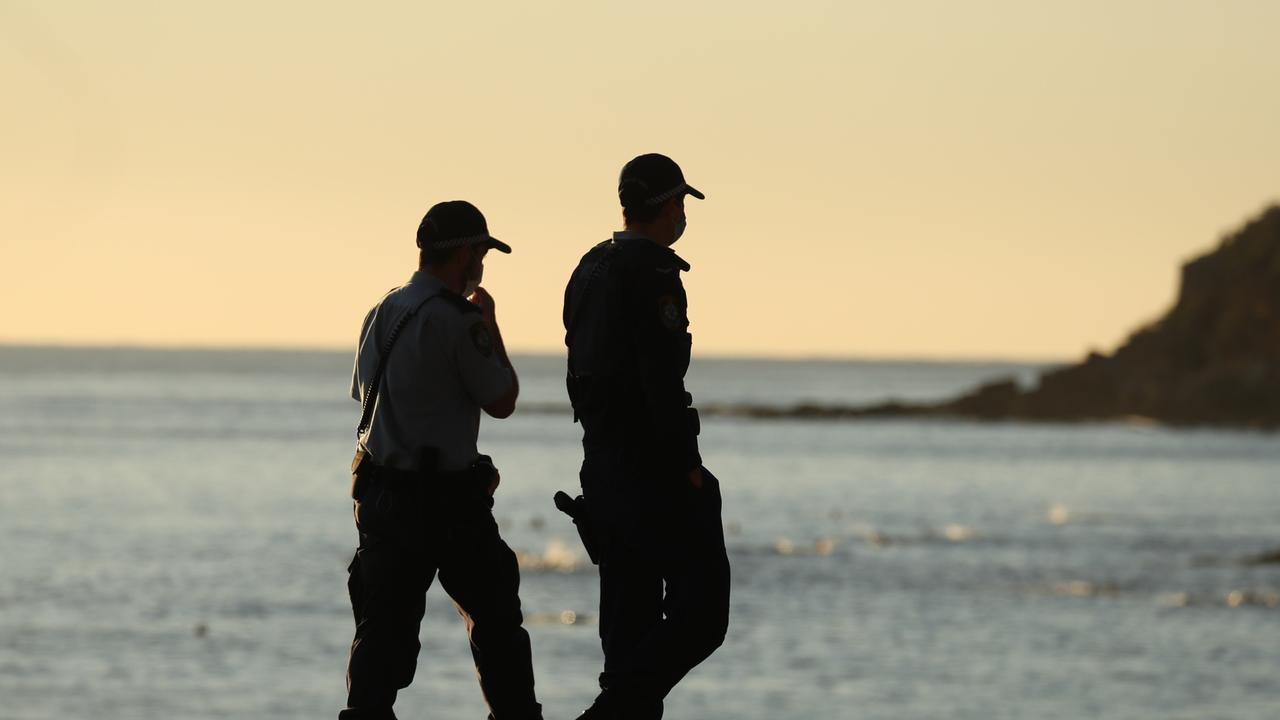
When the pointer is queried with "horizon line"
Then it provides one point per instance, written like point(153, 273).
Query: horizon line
point(750, 356)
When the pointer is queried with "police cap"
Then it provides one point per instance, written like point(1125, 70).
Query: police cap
point(652, 179)
point(454, 224)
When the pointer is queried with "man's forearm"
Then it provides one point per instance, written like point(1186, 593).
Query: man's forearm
point(670, 414)
point(500, 348)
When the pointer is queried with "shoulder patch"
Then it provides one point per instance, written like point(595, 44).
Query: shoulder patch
point(669, 313)
point(481, 338)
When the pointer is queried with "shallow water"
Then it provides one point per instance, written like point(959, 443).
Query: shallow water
point(176, 532)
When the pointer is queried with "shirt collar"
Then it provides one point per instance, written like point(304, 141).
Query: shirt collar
point(426, 281)
point(423, 284)
point(628, 235)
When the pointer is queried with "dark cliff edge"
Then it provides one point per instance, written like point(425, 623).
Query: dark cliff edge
point(1213, 359)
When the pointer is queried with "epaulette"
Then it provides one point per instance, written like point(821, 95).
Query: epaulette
point(680, 262)
point(666, 256)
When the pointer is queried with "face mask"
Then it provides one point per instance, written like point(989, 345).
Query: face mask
point(680, 226)
point(475, 272)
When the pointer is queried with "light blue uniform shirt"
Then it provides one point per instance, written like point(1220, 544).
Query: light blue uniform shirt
point(440, 372)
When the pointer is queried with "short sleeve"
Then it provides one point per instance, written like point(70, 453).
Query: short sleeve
point(485, 377)
point(365, 328)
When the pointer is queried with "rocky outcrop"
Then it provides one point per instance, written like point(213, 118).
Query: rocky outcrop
point(1213, 359)
point(1266, 558)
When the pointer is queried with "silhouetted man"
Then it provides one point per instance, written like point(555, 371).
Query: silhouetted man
point(654, 509)
point(429, 360)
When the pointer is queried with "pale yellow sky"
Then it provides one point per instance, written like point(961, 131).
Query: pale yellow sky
point(946, 179)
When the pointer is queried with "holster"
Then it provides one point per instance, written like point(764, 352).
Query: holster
point(476, 478)
point(576, 509)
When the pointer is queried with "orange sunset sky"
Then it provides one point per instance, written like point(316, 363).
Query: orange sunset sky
point(930, 179)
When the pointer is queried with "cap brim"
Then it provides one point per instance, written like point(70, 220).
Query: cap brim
point(495, 244)
point(695, 192)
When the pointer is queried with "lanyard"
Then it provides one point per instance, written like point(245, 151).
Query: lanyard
point(371, 389)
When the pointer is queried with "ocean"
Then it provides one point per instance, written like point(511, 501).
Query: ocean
point(176, 527)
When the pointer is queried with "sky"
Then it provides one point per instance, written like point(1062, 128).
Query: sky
point(907, 179)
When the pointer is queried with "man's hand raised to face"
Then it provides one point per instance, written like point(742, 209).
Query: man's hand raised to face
point(483, 300)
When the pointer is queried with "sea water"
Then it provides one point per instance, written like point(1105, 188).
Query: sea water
point(175, 528)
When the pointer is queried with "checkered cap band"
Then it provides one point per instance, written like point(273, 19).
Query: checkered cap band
point(657, 199)
point(459, 241)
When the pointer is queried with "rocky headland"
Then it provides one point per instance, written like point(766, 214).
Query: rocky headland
point(1213, 359)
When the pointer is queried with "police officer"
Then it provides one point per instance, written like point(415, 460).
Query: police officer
point(428, 361)
point(653, 510)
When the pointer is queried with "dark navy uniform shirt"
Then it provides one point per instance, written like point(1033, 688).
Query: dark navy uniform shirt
point(627, 330)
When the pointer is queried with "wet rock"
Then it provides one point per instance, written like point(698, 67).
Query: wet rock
point(1267, 558)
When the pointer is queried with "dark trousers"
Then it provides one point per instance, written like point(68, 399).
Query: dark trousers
point(412, 530)
point(664, 581)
